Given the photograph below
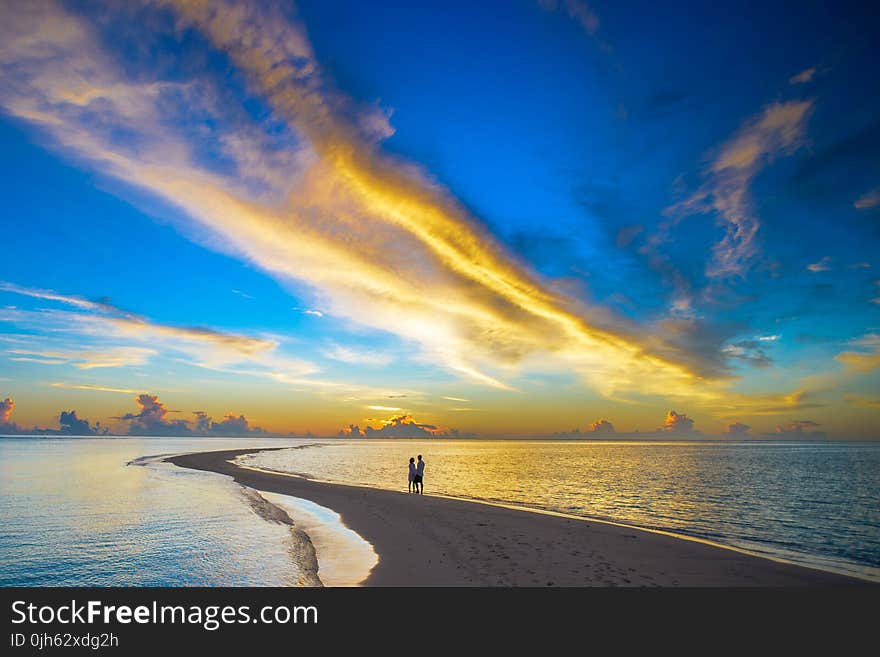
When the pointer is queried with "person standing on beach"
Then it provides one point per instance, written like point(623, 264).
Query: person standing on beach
point(412, 473)
point(420, 476)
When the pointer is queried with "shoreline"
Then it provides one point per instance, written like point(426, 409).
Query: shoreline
point(525, 508)
point(447, 541)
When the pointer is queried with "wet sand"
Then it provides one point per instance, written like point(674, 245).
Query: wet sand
point(437, 541)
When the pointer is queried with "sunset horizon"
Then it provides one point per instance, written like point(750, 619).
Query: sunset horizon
point(265, 218)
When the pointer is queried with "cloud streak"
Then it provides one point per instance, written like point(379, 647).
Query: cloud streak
point(577, 10)
point(866, 357)
point(88, 360)
point(822, 265)
point(799, 429)
point(804, 76)
point(375, 240)
point(90, 387)
point(355, 357)
point(130, 323)
point(779, 129)
point(104, 323)
point(868, 200)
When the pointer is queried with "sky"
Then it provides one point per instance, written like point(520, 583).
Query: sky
point(446, 218)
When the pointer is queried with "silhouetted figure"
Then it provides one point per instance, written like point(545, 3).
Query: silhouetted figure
point(420, 476)
point(412, 474)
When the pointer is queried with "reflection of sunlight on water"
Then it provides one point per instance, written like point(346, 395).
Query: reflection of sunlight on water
point(73, 513)
point(809, 503)
point(344, 557)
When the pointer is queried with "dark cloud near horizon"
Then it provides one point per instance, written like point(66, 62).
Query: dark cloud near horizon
point(737, 430)
point(152, 420)
point(232, 425)
point(68, 422)
point(600, 427)
point(799, 429)
point(72, 425)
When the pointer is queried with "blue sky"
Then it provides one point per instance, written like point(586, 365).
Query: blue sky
point(554, 212)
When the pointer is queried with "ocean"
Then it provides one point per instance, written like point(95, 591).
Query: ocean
point(94, 512)
point(101, 512)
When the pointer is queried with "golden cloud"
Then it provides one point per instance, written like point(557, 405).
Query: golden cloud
point(778, 129)
point(866, 358)
point(373, 237)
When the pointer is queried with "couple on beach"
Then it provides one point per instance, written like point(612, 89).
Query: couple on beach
point(416, 476)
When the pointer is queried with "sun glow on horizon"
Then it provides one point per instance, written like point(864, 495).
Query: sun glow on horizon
point(380, 281)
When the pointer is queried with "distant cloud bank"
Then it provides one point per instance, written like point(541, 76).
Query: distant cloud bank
point(401, 426)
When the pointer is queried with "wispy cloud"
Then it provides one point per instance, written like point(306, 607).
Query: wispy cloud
point(577, 10)
point(804, 76)
point(752, 352)
point(103, 324)
point(356, 357)
point(733, 405)
point(90, 387)
point(863, 401)
point(88, 360)
point(868, 200)
point(822, 265)
point(866, 355)
point(39, 361)
point(127, 322)
point(486, 316)
point(779, 129)
point(50, 295)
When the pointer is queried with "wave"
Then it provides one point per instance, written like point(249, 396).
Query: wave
point(300, 546)
point(149, 459)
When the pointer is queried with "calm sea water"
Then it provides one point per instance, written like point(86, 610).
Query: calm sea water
point(73, 512)
point(812, 503)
